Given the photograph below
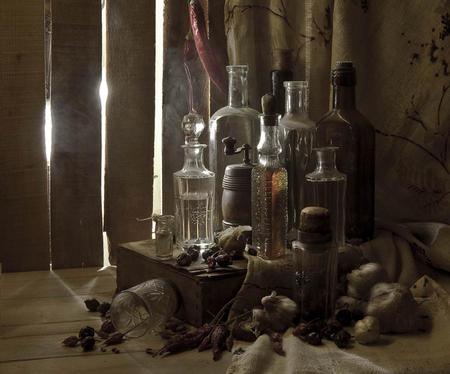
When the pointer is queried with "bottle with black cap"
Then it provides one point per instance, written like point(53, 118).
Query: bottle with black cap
point(345, 127)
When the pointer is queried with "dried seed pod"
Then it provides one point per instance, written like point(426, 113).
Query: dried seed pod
point(114, 339)
point(86, 331)
point(342, 339)
point(108, 327)
point(186, 342)
point(71, 341)
point(194, 252)
point(218, 339)
point(104, 308)
point(88, 343)
point(92, 304)
point(184, 259)
point(205, 344)
point(115, 350)
point(313, 338)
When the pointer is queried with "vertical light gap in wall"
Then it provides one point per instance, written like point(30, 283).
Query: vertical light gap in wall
point(159, 60)
point(48, 124)
point(103, 98)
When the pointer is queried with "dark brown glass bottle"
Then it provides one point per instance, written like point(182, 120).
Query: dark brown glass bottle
point(348, 129)
point(282, 72)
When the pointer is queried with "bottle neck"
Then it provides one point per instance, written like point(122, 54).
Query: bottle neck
point(326, 159)
point(193, 156)
point(297, 100)
point(269, 146)
point(343, 97)
point(237, 89)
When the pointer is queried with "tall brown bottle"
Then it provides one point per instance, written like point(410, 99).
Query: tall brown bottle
point(345, 127)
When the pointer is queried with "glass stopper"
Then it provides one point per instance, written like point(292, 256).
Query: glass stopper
point(192, 125)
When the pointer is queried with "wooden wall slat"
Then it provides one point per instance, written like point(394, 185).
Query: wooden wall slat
point(76, 222)
point(130, 118)
point(24, 230)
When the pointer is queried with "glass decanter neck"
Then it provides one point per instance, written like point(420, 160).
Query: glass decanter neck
point(269, 145)
point(237, 85)
point(296, 97)
point(193, 156)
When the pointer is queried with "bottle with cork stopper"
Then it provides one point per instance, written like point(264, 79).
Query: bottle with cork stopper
point(314, 268)
point(269, 188)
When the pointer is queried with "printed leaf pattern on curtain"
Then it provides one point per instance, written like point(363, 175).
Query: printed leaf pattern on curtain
point(401, 50)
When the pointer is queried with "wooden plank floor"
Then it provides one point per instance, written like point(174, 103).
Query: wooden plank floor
point(39, 309)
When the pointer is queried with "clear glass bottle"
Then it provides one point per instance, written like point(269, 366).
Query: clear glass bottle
point(269, 193)
point(345, 127)
point(297, 133)
point(194, 187)
point(237, 120)
point(313, 278)
point(326, 187)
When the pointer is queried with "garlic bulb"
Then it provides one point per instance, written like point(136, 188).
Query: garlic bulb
point(397, 311)
point(277, 315)
point(361, 280)
point(367, 330)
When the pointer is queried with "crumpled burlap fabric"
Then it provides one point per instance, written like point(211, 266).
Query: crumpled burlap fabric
point(397, 249)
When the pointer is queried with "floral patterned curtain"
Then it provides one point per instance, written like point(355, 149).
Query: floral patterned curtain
point(401, 49)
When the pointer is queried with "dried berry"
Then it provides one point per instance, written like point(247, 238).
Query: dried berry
point(108, 327)
point(313, 338)
point(342, 339)
point(194, 252)
point(115, 350)
point(86, 331)
point(92, 304)
point(224, 260)
point(344, 317)
point(301, 330)
point(104, 308)
point(331, 329)
point(251, 250)
point(103, 349)
point(184, 259)
point(114, 339)
point(209, 252)
point(71, 341)
point(88, 343)
point(211, 261)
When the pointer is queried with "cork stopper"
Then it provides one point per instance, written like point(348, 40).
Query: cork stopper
point(315, 225)
point(282, 59)
point(269, 116)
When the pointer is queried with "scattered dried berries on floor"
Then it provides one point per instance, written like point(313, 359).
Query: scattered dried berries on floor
point(88, 343)
point(92, 304)
point(86, 331)
point(104, 308)
point(71, 341)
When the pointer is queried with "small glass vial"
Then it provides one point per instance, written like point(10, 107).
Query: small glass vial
point(326, 187)
point(164, 236)
point(194, 187)
point(312, 261)
point(269, 189)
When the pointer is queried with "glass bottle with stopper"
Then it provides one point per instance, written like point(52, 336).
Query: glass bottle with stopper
point(237, 119)
point(194, 187)
point(297, 133)
point(237, 182)
point(269, 188)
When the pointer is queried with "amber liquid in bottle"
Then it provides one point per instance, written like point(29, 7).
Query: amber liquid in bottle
point(345, 127)
point(269, 194)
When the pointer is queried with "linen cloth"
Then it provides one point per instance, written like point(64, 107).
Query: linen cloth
point(397, 250)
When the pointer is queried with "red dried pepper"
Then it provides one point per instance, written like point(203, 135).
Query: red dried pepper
point(218, 340)
point(208, 56)
point(187, 341)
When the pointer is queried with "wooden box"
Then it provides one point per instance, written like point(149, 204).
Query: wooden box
point(202, 293)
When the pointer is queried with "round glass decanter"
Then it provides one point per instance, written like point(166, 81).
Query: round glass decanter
point(194, 187)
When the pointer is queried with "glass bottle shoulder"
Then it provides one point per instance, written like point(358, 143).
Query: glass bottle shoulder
point(229, 111)
point(194, 173)
point(296, 122)
point(326, 176)
point(345, 117)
